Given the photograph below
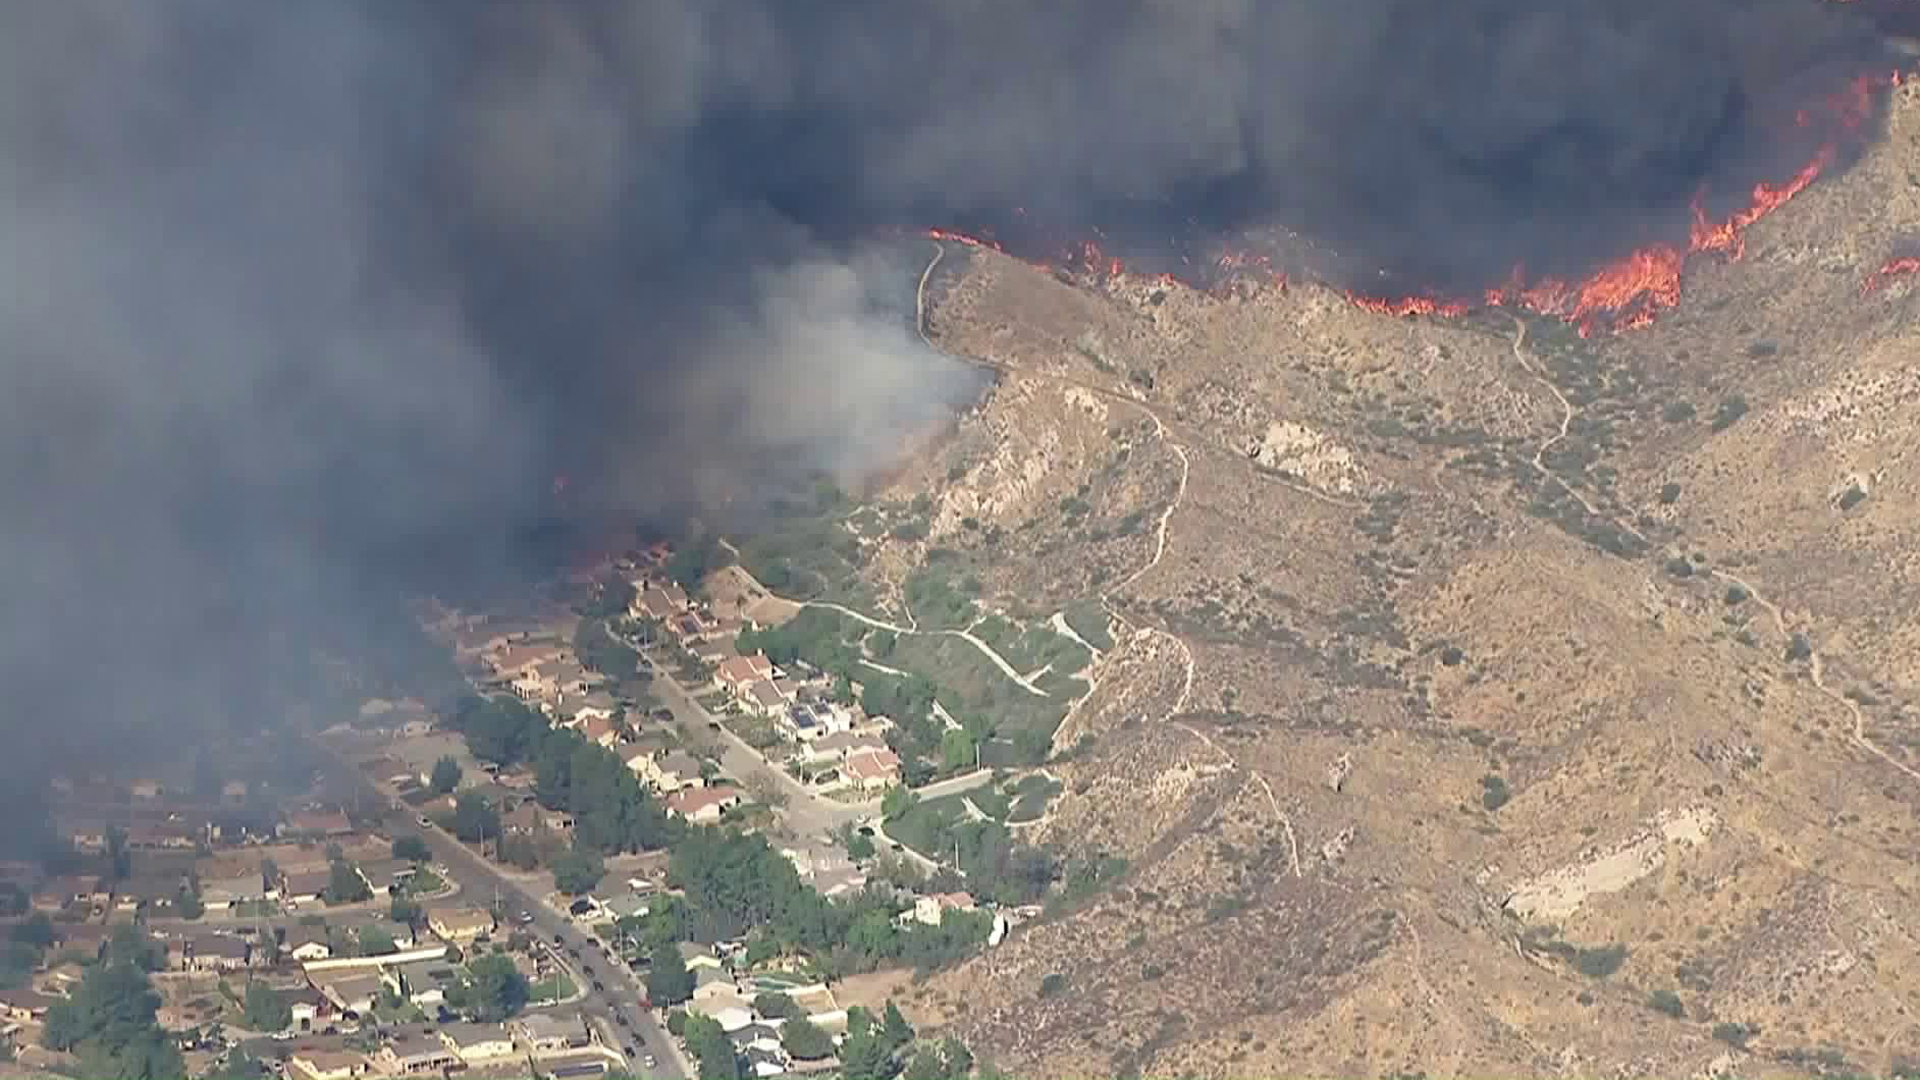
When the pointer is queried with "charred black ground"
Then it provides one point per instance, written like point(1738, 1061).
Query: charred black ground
point(305, 305)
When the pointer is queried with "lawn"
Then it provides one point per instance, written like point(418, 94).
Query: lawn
point(556, 987)
point(424, 882)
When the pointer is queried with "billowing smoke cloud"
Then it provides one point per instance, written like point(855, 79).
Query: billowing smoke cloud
point(305, 303)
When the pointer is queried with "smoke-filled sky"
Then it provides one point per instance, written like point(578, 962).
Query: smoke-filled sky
point(299, 298)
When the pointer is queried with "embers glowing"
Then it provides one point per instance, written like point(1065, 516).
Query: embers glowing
point(961, 238)
point(1905, 264)
point(1408, 305)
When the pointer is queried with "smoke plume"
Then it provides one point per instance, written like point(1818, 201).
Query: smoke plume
point(306, 303)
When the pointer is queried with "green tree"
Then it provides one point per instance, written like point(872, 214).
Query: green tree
point(412, 848)
point(376, 941)
point(690, 564)
point(445, 776)
point(130, 944)
point(927, 1063)
point(474, 819)
point(37, 931)
point(959, 1059)
point(668, 980)
point(518, 850)
point(345, 885)
point(616, 595)
point(498, 990)
point(897, 801)
point(709, 1045)
point(894, 1029)
point(109, 1024)
point(117, 853)
point(776, 1007)
point(860, 846)
point(804, 1040)
point(265, 1010)
point(578, 871)
point(865, 1054)
point(18, 961)
point(405, 912)
point(14, 900)
point(948, 1061)
point(872, 933)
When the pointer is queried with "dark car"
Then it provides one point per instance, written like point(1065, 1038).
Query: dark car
point(588, 968)
point(558, 940)
point(621, 1019)
point(599, 987)
point(713, 725)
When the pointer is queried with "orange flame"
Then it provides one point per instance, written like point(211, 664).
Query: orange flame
point(961, 238)
point(1905, 264)
point(1628, 293)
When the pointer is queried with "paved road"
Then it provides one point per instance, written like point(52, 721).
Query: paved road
point(480, 882)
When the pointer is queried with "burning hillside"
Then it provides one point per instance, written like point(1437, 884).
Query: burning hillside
point(1624, 290)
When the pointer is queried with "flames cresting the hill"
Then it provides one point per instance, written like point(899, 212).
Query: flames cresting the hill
point(1625, 293)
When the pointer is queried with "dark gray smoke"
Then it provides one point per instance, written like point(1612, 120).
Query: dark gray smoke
point(306, 303)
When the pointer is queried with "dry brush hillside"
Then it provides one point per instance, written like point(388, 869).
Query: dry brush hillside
point(1483, 700)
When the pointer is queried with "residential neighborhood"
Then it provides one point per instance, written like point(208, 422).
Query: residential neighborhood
point(606, 759)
